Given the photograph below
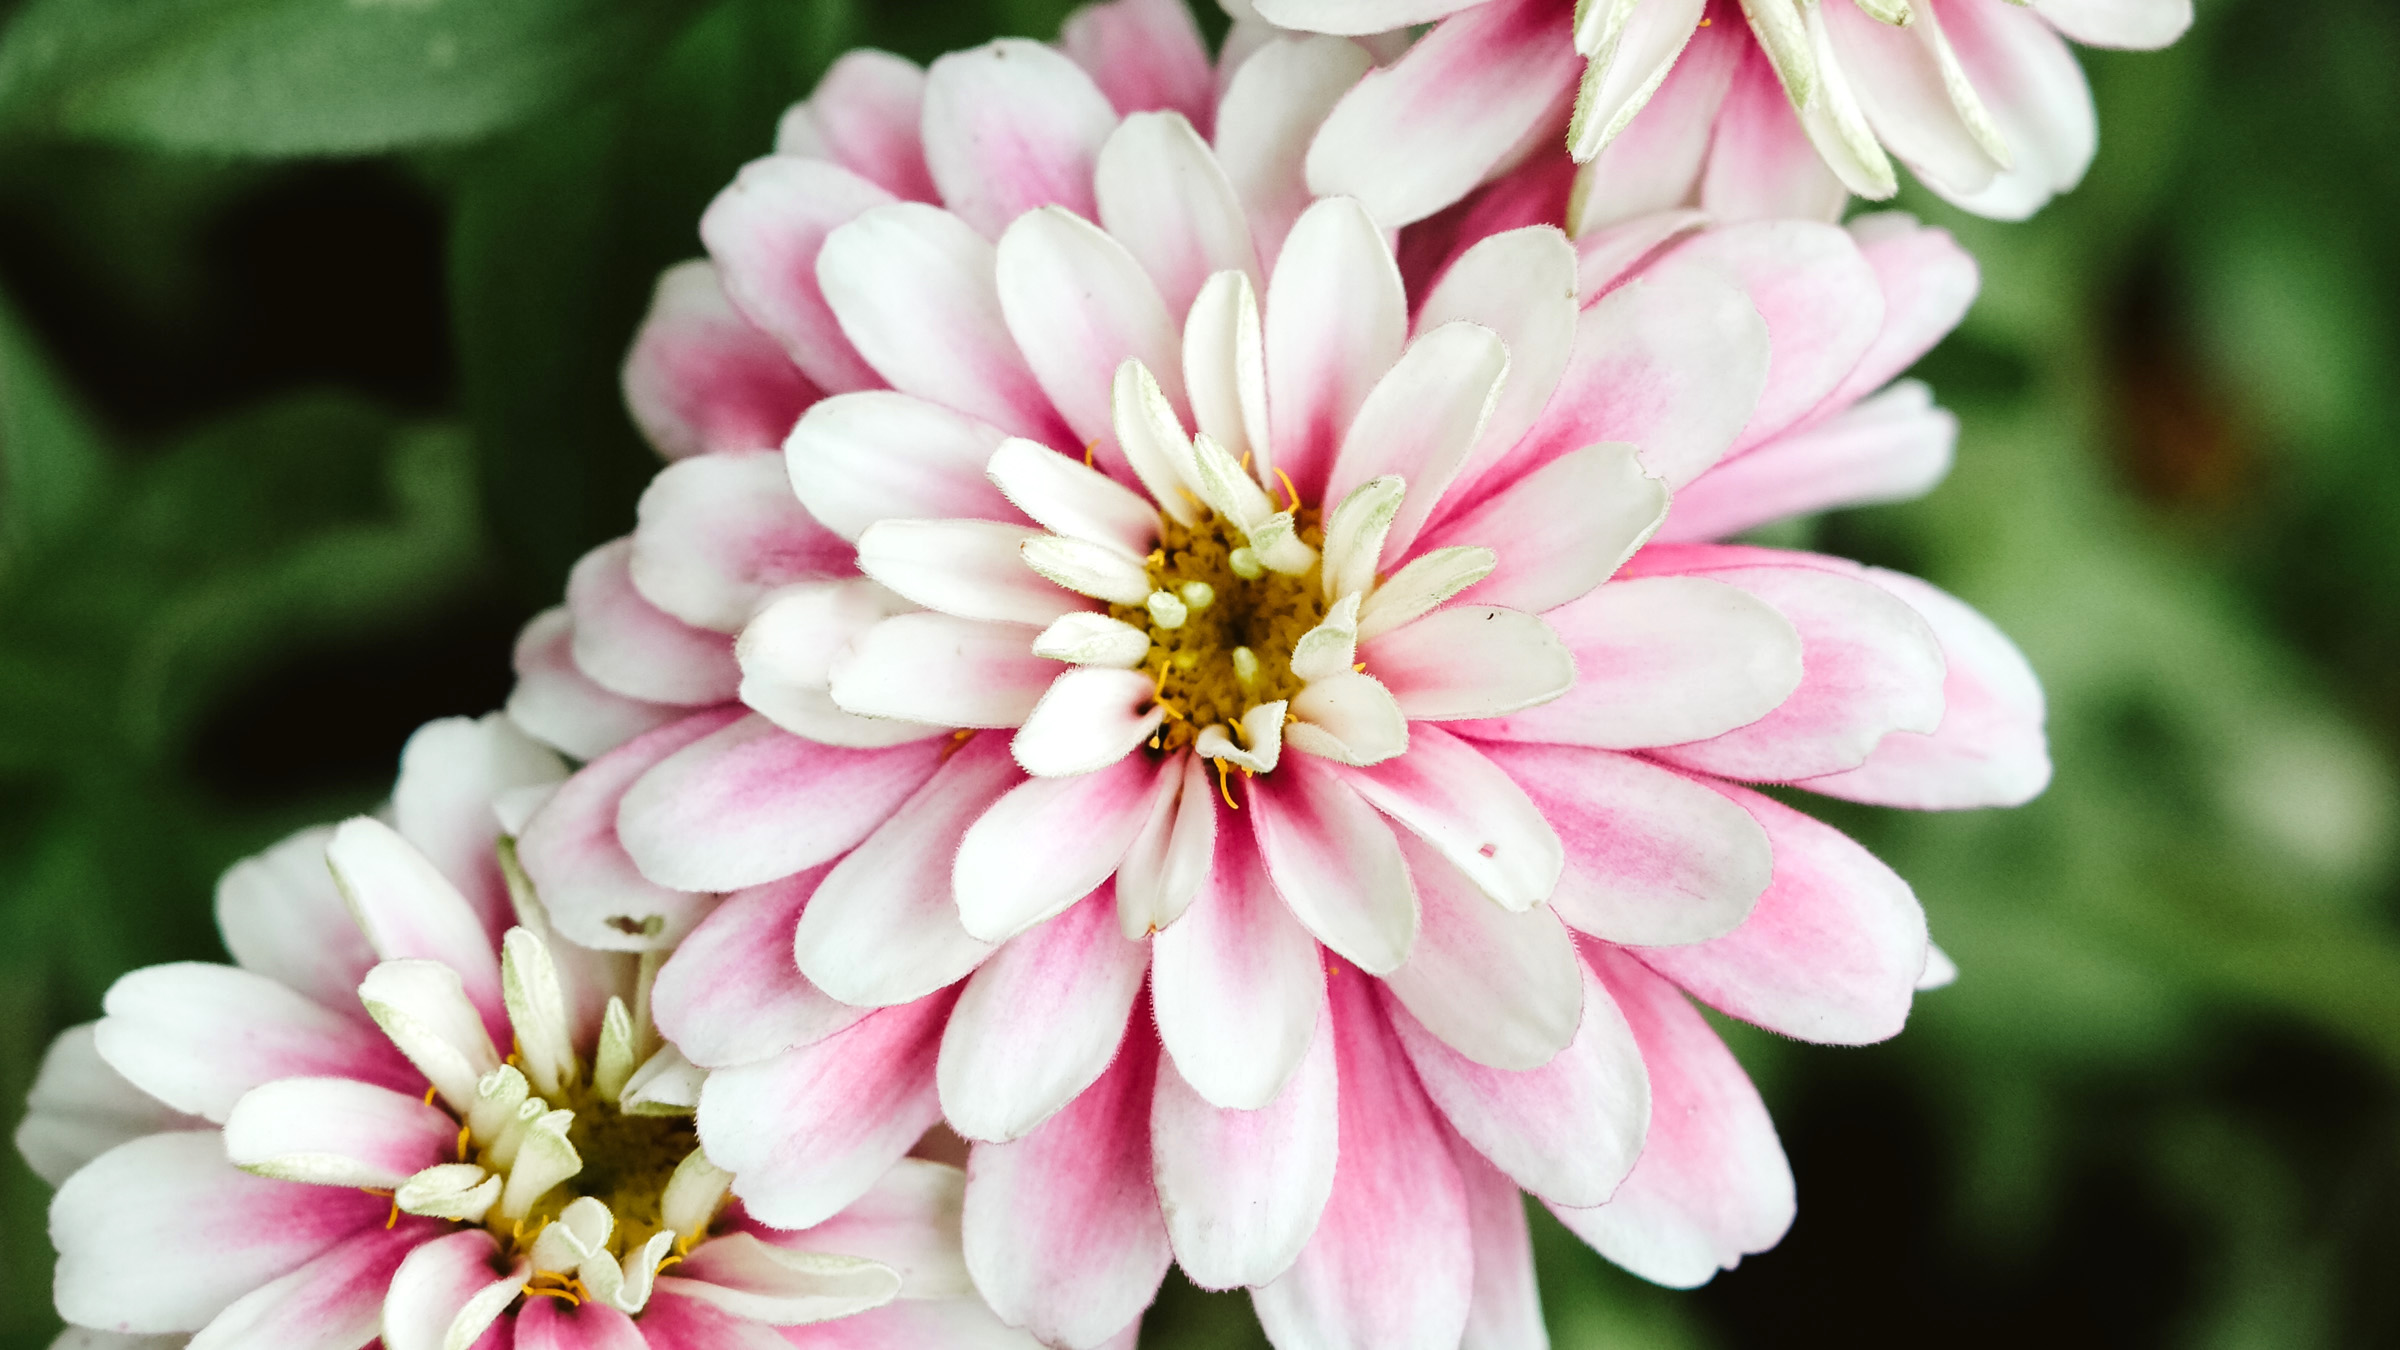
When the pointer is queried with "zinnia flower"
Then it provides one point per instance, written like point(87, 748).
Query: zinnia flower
point(487, 1139)
point(1188, 608)
point(1761, 108)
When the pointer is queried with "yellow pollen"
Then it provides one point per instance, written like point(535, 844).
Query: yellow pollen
point(1234, 652)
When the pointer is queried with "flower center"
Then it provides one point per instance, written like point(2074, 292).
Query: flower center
point(627, 1161)
point(1221, 625)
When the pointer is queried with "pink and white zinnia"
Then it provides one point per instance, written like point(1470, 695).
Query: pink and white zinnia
point(1412, 856)
point(258, 1155)
point(1753, 108)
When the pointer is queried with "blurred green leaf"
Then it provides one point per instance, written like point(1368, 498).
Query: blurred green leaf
point(292, 77)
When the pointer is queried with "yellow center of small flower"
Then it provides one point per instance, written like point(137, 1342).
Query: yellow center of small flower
point(1221, 626)
point(627, 1160)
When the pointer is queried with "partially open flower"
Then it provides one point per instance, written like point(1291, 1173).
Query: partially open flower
point(487, 1132)
point(1752, 107)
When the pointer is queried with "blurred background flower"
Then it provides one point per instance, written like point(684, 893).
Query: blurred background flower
point(310, 323)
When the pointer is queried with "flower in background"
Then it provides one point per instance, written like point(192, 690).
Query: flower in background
point(486, 1132)
point(1756, 109)
point(1112, 437)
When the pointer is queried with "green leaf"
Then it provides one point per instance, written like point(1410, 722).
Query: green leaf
point(51, 466)
point(292, 77)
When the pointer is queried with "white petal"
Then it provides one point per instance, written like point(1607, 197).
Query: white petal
point(932, 669)
point(859, 458)
point(1163, 194)
point(1420, 421)
point(1073, 499)
point(1471, 661)
point(1086, 639)
point(1350, 719)
point(1504, 989)
point(1078, 306)
point(1091, 717)
point(968, 568)
point(1225, 371)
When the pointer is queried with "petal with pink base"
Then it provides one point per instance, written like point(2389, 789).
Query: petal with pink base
point(2035, 91)
point(1568, 1130)
point(730, 994)
point(700, 378)
point(1090, 718)
point(1819, 298)
point(1506, 1312)
point(1990, 749)
point(1655, 162)
point(1502, 989)
point(1420, 134)
point(407, 908)
point(1271, 109)
point(629, 647)
point(80, 1108)
point(936, 670)
point(1011, 126)
point(451, 772)
point(570, 849)
point(335, 1302)
point(718, 533)
point(908, 1221)
point(751, 803)
point(554, 1324)
point(1243, 1189)
point(1164, 196)
point(1080, 305)
point(1236, 984)
point(861, 458)
point(1039, 1021)
point(1062, 1229)
point(1712, 1185)
point(1928, 282)
point(449, 1293)
point(1521, 285)
point(884, 928)
point(1390, 1265)
point(1830, 954)
point(1652, 858)
point(1336, 320)
point(809, 1131)
point(1420, 421)
point(674, 1321)
point(865, 115)
point(2140, 25)
point(197, 1036)
point(560, 705)
point(1562, 529)
point(208, 1232)
point(1470, 661)
point(1048, 843)
point(913, 288)
point(1459, 802)
point(1335, 863)
point(1761, 165)
point(1146, 55)
point(282, 917)
point(765, 232)
point(1892, 447)
point(337, 1132)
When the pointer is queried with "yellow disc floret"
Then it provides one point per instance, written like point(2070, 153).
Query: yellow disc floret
point(1221, 626)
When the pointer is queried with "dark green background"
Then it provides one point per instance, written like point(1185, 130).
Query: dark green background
point(310, 314)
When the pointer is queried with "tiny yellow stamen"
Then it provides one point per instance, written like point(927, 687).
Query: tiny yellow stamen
point(429, 1091)
point(1223, 787)
point(1088, 448)
point(958, 741)
point(544, 1291)
point(463, 1131)
point(1359, 667)
point(1287, 487)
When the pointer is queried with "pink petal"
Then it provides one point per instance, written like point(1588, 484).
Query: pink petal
point(1420, 134)
point(1830, 954)
point(1470, 661)
point(864, 115)
point(1039, 1021)
point(451, 1291)
point(1390, 1265)
point(912, 1324)
point(282, 917)
point(80, 1108)
point(1079, 305)
point(1048, 843)
point(1990, 749)
point(970, 569)
point(1928, 282)
point(1335, 863)
point(1893, 447)
point(559, 704)
point(908, 1221)
point(809, 1131)
point(1062, 1229)
point(1652, 858)
point(550, 1324)
point(675, 1322)
point(766, 232)
point(1712, 1185)
point(1562, 529)
point(2142, 25)
point(1356, 18)
point(884, 928)
point(337, 1132)
point(1164, 196)
point(730, 994)
point(571, 851)
point(1010, 126)
point(1869, 665)
point(750, 803)
point(451, 771)
point(1569, 1130)
point(1462, 804)
point(1236, 984)
point(1419, 422)
point(1654, 164)
point(720, 532)
point(2036, 94)
point(1908, 99)
point(860, 458)
point(1670, 363)
point(1090, 718)
point(913, 288)
point(334, 1302)
point(1335, 321)
point(1820, 300)
point(207, 1232)
point(1761, 165)
point(942, 671)
point(1272, 107)
point(1145, 55)
point(407, 908)
point(700, 378)
point(628, 647)
point(1506, 1313)
point(1519, 284)
point(1502, 989)
point(1243, 1189)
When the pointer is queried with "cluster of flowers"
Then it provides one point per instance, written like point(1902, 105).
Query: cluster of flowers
point(1181, 660)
